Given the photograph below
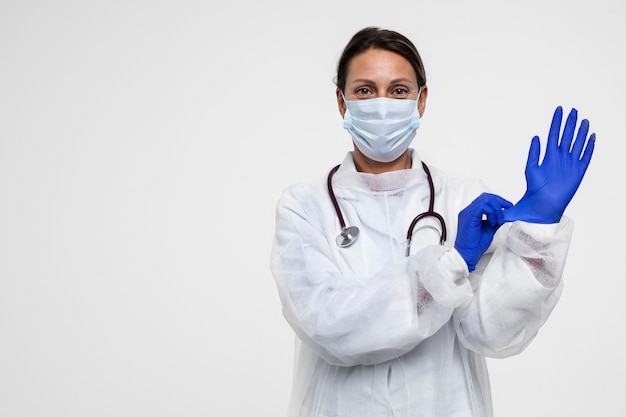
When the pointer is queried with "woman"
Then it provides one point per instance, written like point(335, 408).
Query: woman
point(390, 326)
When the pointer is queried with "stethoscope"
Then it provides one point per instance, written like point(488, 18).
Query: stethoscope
point(349, 234)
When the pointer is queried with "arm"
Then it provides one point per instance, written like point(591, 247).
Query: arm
point(516, 289)
point(350, 319)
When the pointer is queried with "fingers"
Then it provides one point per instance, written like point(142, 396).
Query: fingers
point(555, 129)
point(568, 131)
point(494, 209)
point(582, 148)
point(581, 138)
point(488, 207)
point(586, 158)
point(533, 153)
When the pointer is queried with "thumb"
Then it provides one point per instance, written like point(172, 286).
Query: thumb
point(533, 153)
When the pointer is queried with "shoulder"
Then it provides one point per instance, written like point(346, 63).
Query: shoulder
point(302, 196)
point(463, 185)
point(314, 194)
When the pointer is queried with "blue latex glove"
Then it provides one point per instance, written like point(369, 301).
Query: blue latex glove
point(478, 223)
point(551, 185)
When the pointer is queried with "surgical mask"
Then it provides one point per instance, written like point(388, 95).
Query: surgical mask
point(382, 128)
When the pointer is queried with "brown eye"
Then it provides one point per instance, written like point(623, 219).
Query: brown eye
point(400, 91)
point(363, 91)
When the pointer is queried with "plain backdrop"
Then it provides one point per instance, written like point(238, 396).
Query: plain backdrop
point(144, 144)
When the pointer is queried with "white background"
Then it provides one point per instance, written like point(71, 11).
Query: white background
point(143, 145)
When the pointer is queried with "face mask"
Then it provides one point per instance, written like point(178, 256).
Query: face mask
point(382, 128)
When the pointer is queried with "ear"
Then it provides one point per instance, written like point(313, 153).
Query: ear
point(341, 104)
point(421, 103)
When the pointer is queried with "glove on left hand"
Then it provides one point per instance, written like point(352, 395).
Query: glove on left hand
point(478, 222)
point(551, 185)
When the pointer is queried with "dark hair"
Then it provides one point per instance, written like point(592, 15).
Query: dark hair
point(376, 38)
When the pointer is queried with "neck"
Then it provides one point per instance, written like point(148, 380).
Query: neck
point(369, 166)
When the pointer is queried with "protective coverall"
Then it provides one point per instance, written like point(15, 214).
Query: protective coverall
point(381, 334)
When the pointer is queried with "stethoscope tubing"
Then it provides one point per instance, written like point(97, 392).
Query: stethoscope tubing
point(329, 183)
point(348, 234)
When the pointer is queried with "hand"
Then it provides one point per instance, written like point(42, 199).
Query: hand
point(551, 185)
point(478, 222)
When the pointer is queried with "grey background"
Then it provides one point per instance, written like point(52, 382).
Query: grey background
point(143, 145)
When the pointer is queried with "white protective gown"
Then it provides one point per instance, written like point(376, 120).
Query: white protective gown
point(381, 334)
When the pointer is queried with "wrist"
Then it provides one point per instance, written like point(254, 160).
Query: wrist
point(533, 209)
point(467, 257)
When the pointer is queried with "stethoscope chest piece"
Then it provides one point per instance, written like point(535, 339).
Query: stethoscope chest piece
point(347, 236)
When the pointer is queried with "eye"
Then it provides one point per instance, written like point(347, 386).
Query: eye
point(363, 92)
point(400, 92)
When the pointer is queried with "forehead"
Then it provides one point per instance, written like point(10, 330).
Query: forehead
point(379, 64)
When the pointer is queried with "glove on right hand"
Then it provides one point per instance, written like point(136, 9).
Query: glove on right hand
point(478, 222)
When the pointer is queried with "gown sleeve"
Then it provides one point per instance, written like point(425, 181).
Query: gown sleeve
point(516, 287)
point(350, 319)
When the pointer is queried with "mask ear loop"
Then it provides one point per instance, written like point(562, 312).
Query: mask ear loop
point(417, 101)
point(345, 100)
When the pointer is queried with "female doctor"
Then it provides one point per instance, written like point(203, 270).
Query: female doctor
point(399, 280)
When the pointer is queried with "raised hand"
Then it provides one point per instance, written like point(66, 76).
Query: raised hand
point(551, 185)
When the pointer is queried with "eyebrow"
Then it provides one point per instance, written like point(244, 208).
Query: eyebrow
point(394, 81)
